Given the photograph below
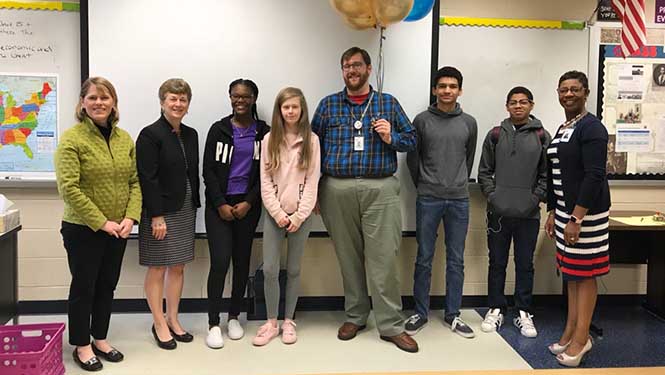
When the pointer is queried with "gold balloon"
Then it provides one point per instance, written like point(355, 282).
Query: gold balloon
point(388, 12)
point(361, 23)
point(352, 8)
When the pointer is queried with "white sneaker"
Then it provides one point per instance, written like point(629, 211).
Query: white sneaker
point(235, 330)
point(525, 323)
point(493, 321)
point(215, 339)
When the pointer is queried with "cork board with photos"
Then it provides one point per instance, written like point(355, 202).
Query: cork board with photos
point(633, 106)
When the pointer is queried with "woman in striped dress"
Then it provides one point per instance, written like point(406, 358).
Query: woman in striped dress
point(168, 168)
point(578, 201)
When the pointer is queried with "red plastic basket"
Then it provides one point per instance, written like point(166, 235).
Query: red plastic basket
point(31, 349)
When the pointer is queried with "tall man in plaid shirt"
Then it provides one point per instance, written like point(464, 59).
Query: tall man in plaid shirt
point(361, 132)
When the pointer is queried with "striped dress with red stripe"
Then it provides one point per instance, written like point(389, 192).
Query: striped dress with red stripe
point(589, 257)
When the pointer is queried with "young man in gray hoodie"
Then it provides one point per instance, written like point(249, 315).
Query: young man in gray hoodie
point(440, 168)
point(513, 177)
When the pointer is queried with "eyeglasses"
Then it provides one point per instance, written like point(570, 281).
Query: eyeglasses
point(523, 103)
point(574, 90)
point(355, 66)
point(443, 86)
point(246, 98)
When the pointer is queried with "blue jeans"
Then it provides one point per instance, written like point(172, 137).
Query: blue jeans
point(455, 216)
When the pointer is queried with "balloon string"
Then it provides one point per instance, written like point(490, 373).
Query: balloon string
point(380, 70)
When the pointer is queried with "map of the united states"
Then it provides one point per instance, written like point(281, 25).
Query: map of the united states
point(19, 121)
point(28, 124)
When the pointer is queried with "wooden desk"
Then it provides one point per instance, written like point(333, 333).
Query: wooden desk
point(639, 244)
point(8, 274)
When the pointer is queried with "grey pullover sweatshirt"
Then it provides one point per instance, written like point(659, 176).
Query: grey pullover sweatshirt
point(442, 162)
point(513, 172)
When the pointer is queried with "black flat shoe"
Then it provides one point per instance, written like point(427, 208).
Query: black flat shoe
point(167, 345)
point(93, 364)
point(113, 356)
point(185, 337)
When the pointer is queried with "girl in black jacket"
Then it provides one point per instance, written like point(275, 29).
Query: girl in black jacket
point(233, 203)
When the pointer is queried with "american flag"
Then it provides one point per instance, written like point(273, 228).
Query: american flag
point(633, 32)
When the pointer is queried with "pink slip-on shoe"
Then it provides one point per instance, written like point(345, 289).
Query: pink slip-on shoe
point(265, 333)
point(289, 332)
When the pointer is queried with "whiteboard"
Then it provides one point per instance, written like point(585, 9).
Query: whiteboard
point(40, 43)
point(140, 44)
point(493, 60)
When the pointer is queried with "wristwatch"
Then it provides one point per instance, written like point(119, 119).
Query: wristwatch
point(575, 219)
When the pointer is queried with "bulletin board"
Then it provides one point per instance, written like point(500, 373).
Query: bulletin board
point(633, 110)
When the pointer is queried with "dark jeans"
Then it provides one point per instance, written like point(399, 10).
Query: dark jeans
point(524, 234)
point(94, 261)
point(229, 241)
point(429, 214)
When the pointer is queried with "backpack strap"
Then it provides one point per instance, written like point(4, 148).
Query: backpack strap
point(496, 131)
point(494, 135)
point(541, 136)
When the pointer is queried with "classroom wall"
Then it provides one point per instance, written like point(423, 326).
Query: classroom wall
point(43, 272)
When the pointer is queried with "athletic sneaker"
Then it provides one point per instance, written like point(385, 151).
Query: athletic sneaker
point(414, 324)
point(235, 330)
point(525, 323)
point(265, 334)
point(214, 340)
point(458, 326)
point(493, 320)
point(289, 335)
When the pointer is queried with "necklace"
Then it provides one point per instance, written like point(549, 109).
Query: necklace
point(358, 124)
point(573, 121)
point(241, 133)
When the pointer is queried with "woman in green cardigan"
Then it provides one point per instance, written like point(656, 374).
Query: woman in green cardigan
point(96, 173)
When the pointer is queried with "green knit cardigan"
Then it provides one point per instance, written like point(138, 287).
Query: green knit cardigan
point(97, 181)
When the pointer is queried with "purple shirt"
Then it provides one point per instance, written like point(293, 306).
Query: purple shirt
point(241, 161)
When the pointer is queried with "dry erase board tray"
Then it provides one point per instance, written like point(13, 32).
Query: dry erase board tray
point(635, 179)
point(27, 182)
point(636, 176)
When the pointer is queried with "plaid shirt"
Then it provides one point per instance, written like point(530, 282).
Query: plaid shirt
point(333, 123)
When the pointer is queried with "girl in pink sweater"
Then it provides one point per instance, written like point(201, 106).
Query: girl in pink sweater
point(290, 171)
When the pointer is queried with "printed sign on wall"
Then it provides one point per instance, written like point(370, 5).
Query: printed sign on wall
point(660, 11)
point(606, 12)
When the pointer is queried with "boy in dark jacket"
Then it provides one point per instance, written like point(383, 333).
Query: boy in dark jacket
point(513, 177)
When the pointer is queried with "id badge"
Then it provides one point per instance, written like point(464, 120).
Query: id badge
point(358, 143)
point(566, 135)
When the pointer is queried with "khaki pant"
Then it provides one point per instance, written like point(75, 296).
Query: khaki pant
point(364, 221)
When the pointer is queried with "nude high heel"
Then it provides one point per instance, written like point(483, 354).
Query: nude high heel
point(574, 361)
point(558, 349)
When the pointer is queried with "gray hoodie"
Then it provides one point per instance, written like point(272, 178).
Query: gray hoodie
point(513, 173)
point(442, 162)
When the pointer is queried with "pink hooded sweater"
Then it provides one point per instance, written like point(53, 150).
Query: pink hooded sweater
point(290, 191)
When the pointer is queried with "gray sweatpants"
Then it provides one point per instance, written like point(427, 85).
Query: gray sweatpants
point(273, 237)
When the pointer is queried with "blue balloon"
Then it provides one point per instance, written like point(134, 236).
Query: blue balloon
point(420, 9)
